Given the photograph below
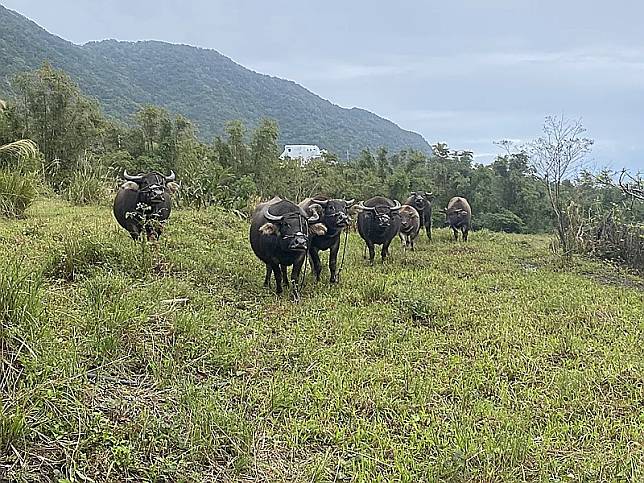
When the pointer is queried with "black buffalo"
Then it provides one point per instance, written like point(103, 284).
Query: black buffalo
point(378, 224)
point(143, 203)
point(279, 236)
point(459, 216)
point(334, 216)
point(422, 202)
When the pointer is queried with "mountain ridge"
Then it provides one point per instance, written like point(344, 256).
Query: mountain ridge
point(202, 84)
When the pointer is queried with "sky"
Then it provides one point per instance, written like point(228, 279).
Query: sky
point(465, 72)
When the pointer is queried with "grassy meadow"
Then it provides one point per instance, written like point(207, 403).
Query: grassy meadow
point(486, 361)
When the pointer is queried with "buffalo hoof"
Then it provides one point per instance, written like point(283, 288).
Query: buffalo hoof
point(335, 279)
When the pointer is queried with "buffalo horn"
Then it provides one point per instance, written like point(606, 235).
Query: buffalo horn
point(172, 176)
point(361, 206)
point(349, 202)
point(272, 217)
point(130, 177)
point(396, 207)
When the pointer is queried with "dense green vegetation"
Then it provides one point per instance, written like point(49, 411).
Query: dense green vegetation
point(200, 84)
point(482, 361)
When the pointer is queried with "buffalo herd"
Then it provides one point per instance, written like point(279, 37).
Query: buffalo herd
point(285, 234)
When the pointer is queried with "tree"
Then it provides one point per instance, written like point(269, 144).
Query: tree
point(557, 156)
point(151, 120)
point(51, 110)
point(633, 186)
point(20, 149)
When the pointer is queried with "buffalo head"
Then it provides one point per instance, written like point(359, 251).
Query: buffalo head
point(291, 229)
point(334, 212)
point(151, 186)
point(382, 214)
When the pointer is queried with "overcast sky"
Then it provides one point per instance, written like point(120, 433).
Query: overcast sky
point(466, 72)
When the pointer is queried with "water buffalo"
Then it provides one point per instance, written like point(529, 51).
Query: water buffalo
point(143, 203)
point(279, 236)
point(333, 215)
point(459, 215)
point(378, 224)
point(409, 226)
point(422, 201)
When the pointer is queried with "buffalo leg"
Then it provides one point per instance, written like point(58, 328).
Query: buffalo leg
point(455, 233)
point(295, 274)
point(333, 261)
point(267, 278)
point(284, 269)
point(465, 232)
point(372, 252)
point(316, 263)
point(403, 242)
point(278, 277)
point(385, 251)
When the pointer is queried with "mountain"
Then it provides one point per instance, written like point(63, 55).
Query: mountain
point(201, 84)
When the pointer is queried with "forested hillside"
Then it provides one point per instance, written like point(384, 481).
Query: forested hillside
point(200, 84)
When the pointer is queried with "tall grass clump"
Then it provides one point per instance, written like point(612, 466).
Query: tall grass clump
point(77, 255)
point(17, 193)
point(20, 304)
point(19, 295)
point(85, 189)
point(86, 184)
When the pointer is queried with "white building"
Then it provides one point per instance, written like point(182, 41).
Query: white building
point(303, 152)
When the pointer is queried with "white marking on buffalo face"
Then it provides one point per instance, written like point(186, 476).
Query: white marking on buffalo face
point(268, 229)
point(130, 185)
point(318, 229)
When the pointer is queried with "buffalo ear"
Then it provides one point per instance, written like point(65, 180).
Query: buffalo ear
point(318, 229)
point(130, 185)
point(268, 229)
point(317, 208)
point(172, 187)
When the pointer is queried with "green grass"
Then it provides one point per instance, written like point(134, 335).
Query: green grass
point(485, 361)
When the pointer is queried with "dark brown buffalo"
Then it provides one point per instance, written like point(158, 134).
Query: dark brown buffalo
point(409, 226)
point(459, 216)
point(143, 203)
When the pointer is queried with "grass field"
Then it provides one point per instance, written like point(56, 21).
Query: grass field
point(484, 361)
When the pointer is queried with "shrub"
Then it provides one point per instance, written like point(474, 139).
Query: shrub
point(503, 220)
point(85, 188)
point(17, 193)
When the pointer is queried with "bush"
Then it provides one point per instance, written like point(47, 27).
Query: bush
point(85, 189)
point(503, 220)
point(17, 193)
point(609, 238)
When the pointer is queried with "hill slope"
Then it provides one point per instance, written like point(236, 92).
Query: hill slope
point(460, 362)
point(201, 84)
